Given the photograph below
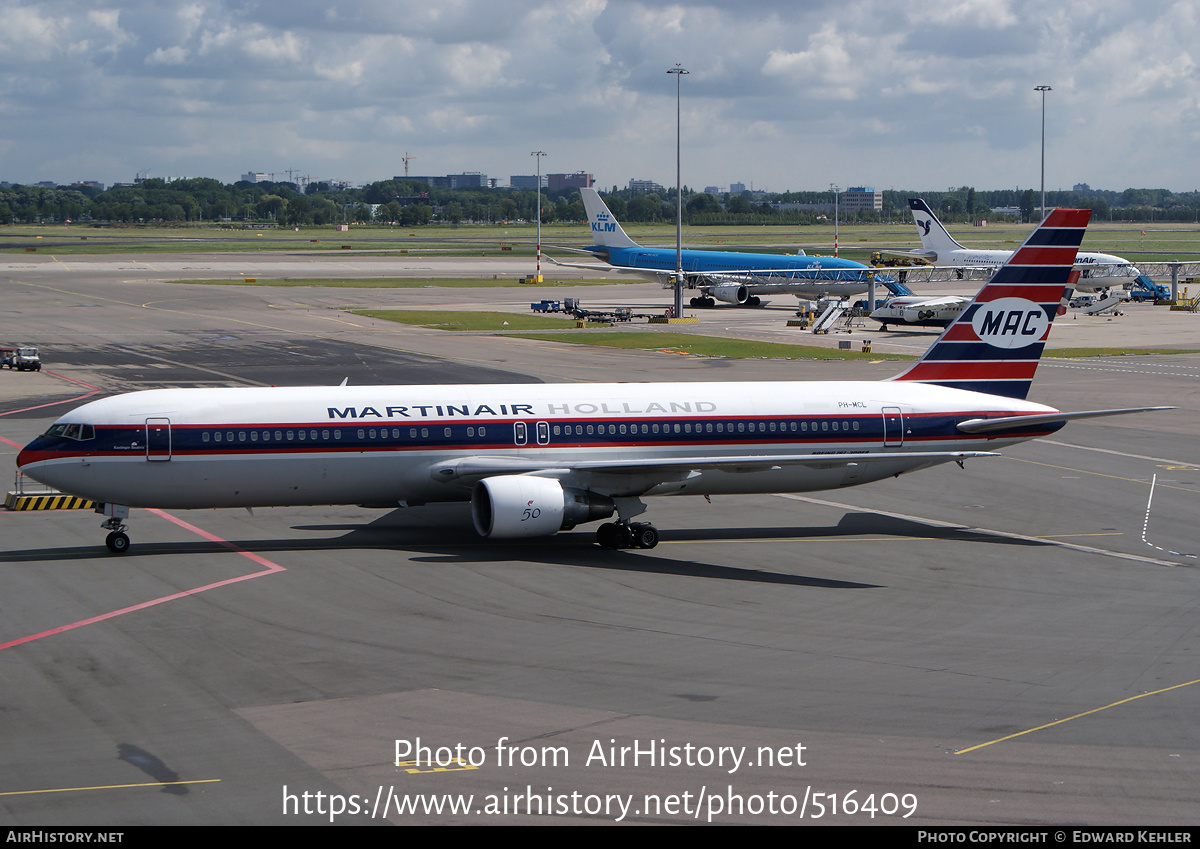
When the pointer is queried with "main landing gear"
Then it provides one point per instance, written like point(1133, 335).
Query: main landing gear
point(617, 535)
point(704, 302)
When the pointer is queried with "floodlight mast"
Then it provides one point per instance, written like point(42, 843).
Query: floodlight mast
point(678, 310)
point(539, 154)
point(1043, 89)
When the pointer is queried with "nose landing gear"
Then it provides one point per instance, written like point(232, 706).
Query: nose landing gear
point(117, 540)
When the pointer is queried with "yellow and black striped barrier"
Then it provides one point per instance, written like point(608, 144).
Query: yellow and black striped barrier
point(53, 501)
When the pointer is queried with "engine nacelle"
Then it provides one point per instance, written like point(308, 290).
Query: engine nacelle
point(730, 293)
point(516, 506)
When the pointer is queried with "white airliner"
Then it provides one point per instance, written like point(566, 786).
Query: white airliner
point(1098, 271)
point(728, 276)
point(914, 311)
point(537, 459)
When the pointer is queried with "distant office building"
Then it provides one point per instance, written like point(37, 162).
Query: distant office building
point(578, 180)
point(255, 177)
point(644, 186)
point(712, 190)
point(862, 198)
point(1081, 187)
point(527, 182)
point(469, 180)
point(737, 188)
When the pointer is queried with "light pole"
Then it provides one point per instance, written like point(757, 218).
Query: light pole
point(836, 192)
point(1043, 89)
point(678, 72)
point(539, 154)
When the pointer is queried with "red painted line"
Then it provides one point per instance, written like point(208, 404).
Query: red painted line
point(10, 442)
point(269, 568)
point(95, 389)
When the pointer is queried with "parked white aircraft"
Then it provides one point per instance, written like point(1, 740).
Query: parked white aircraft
point(914, 311)
point(537, 459)
point(939, 248)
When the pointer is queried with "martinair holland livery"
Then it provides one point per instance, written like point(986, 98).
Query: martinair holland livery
point(536, 459)
point(727, 276)
point(940, 248)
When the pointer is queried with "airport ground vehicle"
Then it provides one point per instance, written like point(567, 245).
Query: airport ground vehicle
point(22, 358)
point(1145, 289)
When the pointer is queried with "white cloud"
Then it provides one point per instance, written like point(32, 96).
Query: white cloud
point(167, 56)
point(779, 93)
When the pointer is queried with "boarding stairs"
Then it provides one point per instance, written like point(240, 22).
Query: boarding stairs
point(1103, 306)
point(827, 319)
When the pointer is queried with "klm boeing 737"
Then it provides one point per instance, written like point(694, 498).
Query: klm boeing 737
point(727, 276)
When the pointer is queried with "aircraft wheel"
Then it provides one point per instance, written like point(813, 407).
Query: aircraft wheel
point(753, 301)
point(707, 303)
point(609, 535)
point(117, 542)
point(645, 536)
point(695, 302)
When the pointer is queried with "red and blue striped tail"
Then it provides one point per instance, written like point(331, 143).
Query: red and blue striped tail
point(994, 344)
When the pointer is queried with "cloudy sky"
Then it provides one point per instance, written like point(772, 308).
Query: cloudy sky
point(780, 95)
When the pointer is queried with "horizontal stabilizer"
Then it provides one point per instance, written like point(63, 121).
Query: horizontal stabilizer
point(1009, 422)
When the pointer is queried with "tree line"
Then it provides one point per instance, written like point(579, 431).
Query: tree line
point(412, 203)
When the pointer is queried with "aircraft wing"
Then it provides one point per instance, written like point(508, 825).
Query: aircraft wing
point(921, 257)
point(937, 303)
point(469, 469)
point(647, 273)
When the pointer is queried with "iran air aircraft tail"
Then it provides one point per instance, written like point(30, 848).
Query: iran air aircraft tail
point(534, 460)
point(1098, 271)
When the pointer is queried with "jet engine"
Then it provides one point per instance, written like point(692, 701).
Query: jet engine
point(515, 506)
point(730, 293)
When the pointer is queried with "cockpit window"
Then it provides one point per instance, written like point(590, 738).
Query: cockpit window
point(80, 432)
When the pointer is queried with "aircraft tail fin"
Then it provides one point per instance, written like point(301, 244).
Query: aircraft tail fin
point(934, 238)
point(606, 232)
point(995, 343)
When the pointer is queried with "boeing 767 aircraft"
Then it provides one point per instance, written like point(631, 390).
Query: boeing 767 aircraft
point(536, 459)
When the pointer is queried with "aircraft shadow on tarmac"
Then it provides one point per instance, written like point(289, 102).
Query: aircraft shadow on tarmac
point(441, 532)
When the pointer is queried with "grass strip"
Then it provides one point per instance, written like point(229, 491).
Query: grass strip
point(705, 346)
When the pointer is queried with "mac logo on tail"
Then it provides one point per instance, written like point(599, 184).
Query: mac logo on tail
point(1010, 323)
